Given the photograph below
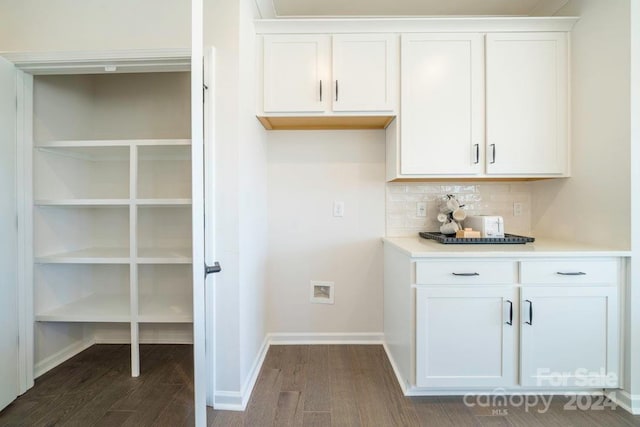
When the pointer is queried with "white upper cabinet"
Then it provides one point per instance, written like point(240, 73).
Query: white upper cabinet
point(296, 73)
point(363, 72)
point(449, 80)
point(527, 110)
point(329, 76)
point(442, 104)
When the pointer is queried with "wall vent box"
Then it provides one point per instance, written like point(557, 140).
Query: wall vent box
point(321, 292)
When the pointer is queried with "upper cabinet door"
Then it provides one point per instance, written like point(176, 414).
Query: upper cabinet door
point(296, 73)
point(527, 111)
point(442, 104)
point(364, 72)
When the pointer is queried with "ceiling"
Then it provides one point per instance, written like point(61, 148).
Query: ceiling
point(308, 8)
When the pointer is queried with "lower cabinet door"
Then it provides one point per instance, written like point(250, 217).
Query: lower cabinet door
point(465, 336)
point(569, 336)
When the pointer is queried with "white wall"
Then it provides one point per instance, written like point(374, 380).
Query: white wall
point(594, 205)
point(308, 171)
point(27, 25)
point(241, 197)
point(104, 106)
point(252, 170)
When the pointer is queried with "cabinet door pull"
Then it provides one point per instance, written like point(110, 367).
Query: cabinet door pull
point(336, 90)
point(477, 146)
point(572, 273)
point(530, 322)
point(510, 321)
point(320, 90)
point(493, 153)
point(466, 274)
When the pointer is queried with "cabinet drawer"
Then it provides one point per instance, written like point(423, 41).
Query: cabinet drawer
point(583, 271)
point(485, 272)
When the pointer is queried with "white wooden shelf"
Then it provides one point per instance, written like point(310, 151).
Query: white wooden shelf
point(93, 308)
point(88, 256)
point(163, 202)
point(83, 202)
point(94, 153)
point(112, 143)
point(114, 202)
point(163, 308)
point(164, 256)
point(109, 192)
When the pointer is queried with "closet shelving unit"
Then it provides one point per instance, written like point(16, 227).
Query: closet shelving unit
point(112, 237)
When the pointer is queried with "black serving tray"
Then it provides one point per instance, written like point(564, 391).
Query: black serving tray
point(511, 239)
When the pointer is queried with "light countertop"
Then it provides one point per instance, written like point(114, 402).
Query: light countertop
point(419, 247)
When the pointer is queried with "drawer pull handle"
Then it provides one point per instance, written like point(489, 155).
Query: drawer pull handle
point(466, 274)
point(573, 273)
point(510, 321)
point(530, 322)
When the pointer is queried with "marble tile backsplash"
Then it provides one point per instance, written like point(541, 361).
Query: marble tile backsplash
point(478, 198)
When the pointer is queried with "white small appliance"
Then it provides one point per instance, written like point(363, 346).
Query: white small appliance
point(487, 225)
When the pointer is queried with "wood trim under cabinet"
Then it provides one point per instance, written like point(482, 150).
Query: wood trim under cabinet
point(325, 122)
point(477, 178)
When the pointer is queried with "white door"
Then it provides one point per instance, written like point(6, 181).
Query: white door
point(209, 217)
point(364, 72)
point(527, 99)
point(569, 336)
point(296, 73)
point(9, 239)
point(198, 215)
point(442, 104)
point(465, 336)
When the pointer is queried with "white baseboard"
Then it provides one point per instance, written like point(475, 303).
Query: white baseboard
point(161, 340)
point(61, 356)
point(326, 338)
point(238, 400)
point(628, 402)
point(396, 371)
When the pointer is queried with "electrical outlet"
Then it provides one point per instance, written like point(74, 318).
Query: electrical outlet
point(421, 209)
point(338, 209)
point(517, 208)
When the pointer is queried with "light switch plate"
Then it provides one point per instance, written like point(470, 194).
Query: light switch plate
point(517, 209)
point(421, 209)
point(338, 209)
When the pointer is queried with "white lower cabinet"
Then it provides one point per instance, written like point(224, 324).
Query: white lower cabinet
point(465, 336)
point(566, 320)
point(569, 337)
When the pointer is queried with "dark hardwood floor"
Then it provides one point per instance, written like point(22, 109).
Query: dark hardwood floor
point(298, 386)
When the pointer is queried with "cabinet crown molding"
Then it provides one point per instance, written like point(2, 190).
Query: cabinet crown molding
point(414, 25)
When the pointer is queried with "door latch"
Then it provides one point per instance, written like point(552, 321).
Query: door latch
point(215, 268)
